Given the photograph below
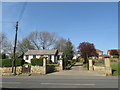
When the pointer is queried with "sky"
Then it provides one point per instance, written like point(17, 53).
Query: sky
point(93, 22)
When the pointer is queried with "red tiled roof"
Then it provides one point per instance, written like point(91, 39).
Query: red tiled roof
point(102, 55)
point(97, 50)
point(115, 50)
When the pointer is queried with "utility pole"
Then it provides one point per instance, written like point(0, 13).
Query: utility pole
point(14, 61)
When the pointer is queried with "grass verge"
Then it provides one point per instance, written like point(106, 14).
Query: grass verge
point(115, 68)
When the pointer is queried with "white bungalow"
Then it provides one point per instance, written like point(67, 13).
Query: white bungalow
point(51, 54)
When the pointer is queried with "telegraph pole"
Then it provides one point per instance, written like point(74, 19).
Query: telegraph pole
point(14, 61)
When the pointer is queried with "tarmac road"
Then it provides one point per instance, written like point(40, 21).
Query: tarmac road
point(59, 81)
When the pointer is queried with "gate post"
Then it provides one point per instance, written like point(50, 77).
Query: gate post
point(61, 64)
point(107, 66)
point(44, 65)
point(91, 65)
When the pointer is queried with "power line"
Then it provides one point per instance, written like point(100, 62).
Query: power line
point(7, 22)
point(22, 11)
point(22, 33)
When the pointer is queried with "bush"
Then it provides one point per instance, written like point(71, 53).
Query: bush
point(8, 62)
point(85, 65)
point(116, 56)
point(68, 67)
point(37, 62)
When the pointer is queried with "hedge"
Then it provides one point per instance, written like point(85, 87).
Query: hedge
point(37, 62)
point(8, 62)
point(116, 56)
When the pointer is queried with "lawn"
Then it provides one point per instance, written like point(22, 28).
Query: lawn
point(115, 68)
point(99, 64)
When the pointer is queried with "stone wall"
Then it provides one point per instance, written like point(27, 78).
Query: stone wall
point(114, 59)
point(8, 70)
point(106, 69)
point(37, 69)
point(99, 69)
point(57, 68)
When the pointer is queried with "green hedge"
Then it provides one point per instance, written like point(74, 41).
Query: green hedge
point(8, 62)
point(116, 56)
point(37, 62)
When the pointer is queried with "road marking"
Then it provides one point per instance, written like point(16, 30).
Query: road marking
point(10, 82)
point(68, 84)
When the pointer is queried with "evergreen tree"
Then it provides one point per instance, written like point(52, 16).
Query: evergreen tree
point(68, 50)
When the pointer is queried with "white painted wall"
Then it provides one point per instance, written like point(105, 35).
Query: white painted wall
point(38, 56)
point(29, 58)
point(52, 57)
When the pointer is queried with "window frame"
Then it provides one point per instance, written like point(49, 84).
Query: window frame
point(27, 57)
point(34, 56)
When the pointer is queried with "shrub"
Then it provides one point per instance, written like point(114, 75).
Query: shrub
point(82, 60)
point(37, 62)
point(68, 67)
point(85, 65)
point(116, 56)
point(8, 62)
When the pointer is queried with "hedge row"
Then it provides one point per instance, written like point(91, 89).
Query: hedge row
point(37, 62)
point(8, 62)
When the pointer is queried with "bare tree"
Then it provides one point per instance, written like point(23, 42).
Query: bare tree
point(6, 45)
point(42, 40)
point(46, 39)
point(33, 38)
point(23, 46)
point(60, 44)
point(3, 40)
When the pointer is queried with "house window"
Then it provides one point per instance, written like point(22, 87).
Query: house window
point(34, 56)
point(27, 57)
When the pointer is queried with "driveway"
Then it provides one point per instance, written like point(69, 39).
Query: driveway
point(78, 70)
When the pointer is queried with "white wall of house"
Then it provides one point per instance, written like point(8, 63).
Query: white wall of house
point(53, 58)
point(38, 56)
point(29, 58)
